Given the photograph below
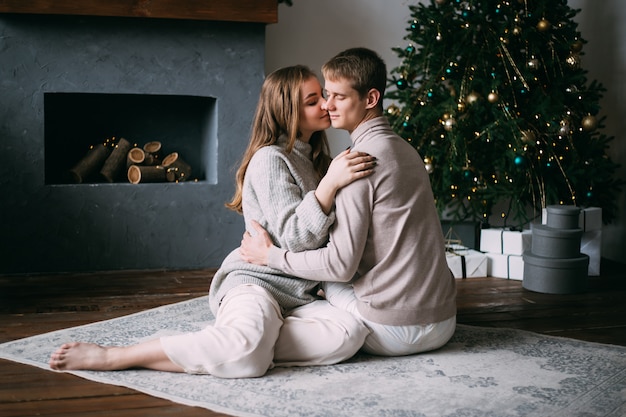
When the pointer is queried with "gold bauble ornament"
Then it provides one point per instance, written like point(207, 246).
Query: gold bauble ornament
point(472, 97)
point(577, 46)
point(543, 25)
point(517, 30)
point(449, 124)
point(493, 97)
point(589, 122)
point(460, 106)
point(393, 110)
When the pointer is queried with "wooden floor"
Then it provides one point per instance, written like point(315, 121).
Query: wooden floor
point(31, 305)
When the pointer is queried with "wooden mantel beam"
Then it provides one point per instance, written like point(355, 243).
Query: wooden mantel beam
point(259, 11)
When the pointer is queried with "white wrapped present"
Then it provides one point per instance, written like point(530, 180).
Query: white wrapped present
point(466, 263)
point(591, 245)
point(500, 240)
point(501, 265)
point(590, 219)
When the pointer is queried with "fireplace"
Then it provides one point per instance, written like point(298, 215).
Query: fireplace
point(186, 125)
point(69, 81)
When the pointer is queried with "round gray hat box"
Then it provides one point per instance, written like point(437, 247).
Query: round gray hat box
point(556, 243)
point(563, 217)
point(555, 276)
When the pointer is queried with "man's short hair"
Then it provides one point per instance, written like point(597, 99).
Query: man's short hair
point(362, 67)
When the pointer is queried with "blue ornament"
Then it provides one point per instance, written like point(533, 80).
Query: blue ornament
point(402, 84)
point(519, 160)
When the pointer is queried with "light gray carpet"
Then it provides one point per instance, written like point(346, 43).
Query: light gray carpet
point(481, 372)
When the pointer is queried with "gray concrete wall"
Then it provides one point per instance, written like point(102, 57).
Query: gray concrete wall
point(101, 226)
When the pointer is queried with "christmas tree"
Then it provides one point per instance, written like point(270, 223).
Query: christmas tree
point(493, 96)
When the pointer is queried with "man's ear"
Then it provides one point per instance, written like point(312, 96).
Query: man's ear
point(373, 97)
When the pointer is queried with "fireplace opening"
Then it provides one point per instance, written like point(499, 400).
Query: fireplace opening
point(184, 127)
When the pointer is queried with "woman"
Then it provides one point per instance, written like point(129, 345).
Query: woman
point(263, 317)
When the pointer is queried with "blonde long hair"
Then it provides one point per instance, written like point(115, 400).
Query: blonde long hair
point(278, 113)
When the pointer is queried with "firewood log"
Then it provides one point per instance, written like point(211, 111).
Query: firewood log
point(153, 153)
point(146, 173)
point(90, 163)
point(176, 169)
point(136, 156)
point(114, 165)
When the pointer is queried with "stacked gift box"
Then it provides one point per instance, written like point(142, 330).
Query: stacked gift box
point(590, 221)
point(555, 264)
point(503, 248)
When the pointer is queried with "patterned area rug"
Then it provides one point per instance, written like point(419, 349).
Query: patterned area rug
point(481, 372)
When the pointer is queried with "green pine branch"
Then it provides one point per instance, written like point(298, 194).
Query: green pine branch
point(493, 96)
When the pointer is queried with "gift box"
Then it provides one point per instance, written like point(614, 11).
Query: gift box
point(591, 245)
point(590, 218)
point(505, 266)
point(590, 221)
point(510, 242)
point(466, 263)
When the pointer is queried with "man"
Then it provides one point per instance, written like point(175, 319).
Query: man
point(385, 260)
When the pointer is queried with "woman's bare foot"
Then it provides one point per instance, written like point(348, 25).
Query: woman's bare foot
point(89, 356)
point(79, 355)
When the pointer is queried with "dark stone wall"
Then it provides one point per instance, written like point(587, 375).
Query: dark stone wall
point(49, 227)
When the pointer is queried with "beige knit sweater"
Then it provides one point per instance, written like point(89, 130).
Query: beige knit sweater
point(387, 238)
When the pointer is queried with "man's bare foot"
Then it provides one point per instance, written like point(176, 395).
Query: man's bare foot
point(83, 356)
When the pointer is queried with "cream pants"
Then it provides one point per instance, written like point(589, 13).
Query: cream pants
point(250, 336)
point(388, 340)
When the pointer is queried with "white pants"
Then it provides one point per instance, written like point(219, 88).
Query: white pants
point(388, 340)
point(250, 336)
